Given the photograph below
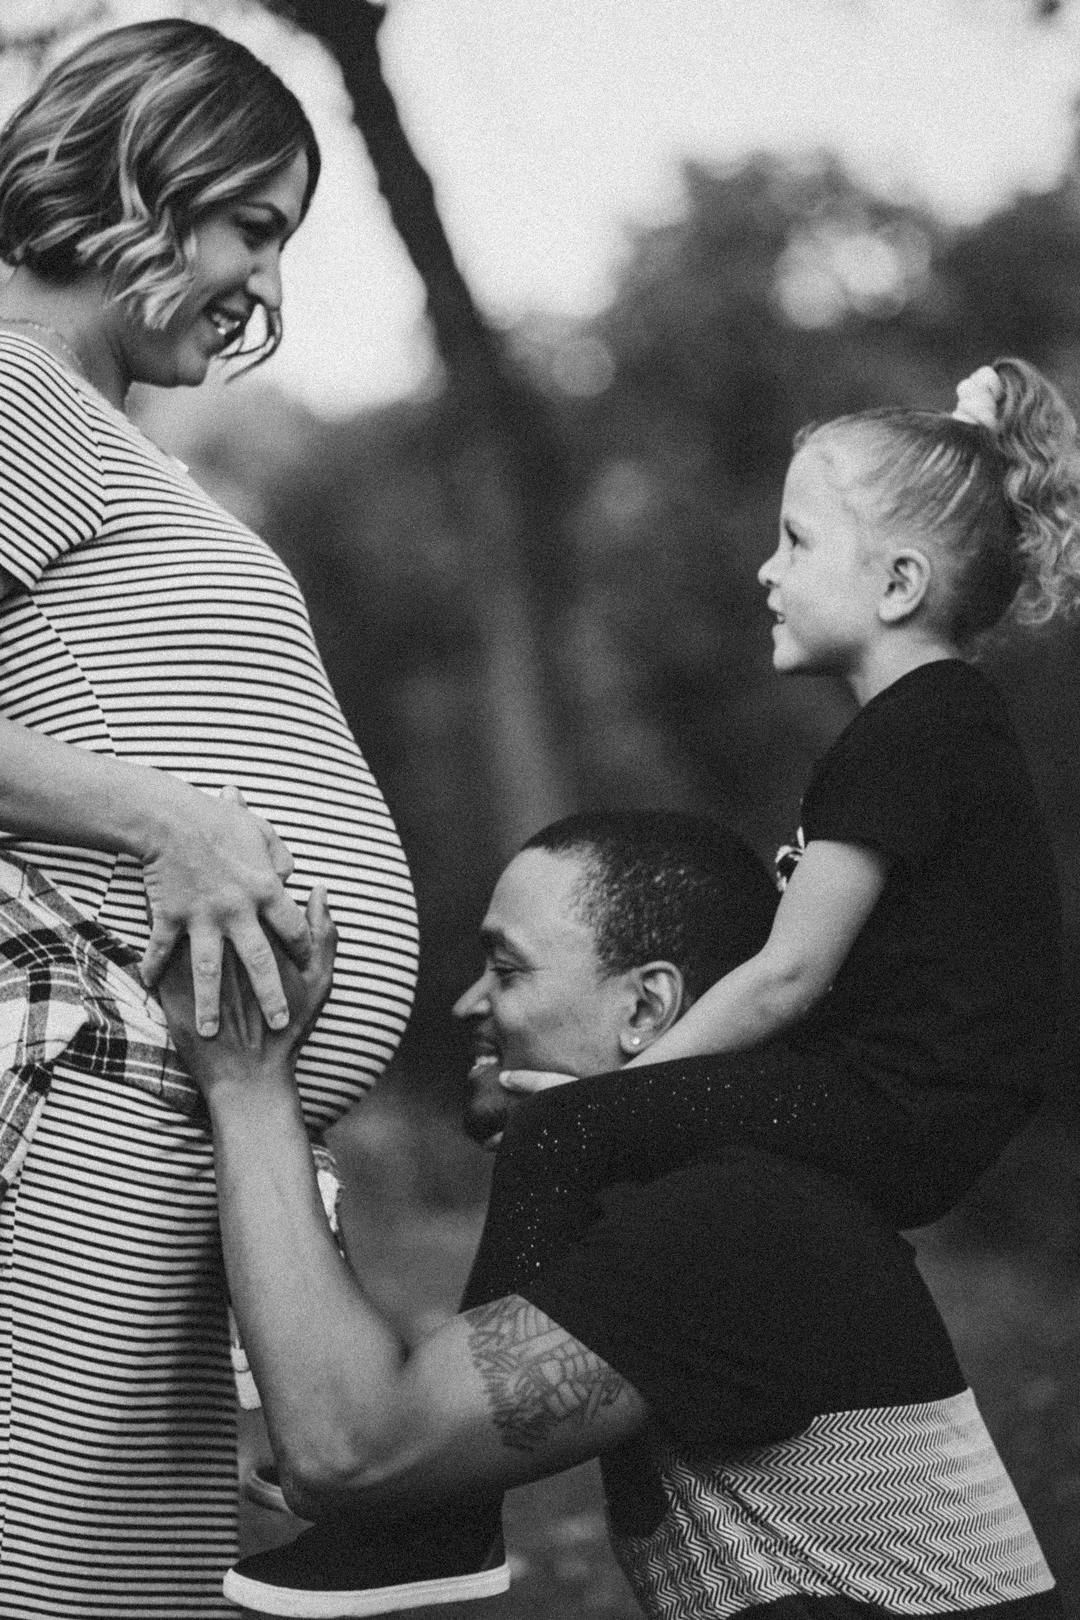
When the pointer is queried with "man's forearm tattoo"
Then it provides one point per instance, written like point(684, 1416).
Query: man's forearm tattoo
point(536, 1376)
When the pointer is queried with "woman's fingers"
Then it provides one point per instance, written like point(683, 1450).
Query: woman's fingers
point(206, 979)
point(159, 947)
point(281, 914)
point(279, 852)
point(254, 951)
point(257, 959)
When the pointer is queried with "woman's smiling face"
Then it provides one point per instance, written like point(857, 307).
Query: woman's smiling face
point(236, 266)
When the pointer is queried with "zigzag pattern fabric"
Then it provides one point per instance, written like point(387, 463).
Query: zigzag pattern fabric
point(907, 1510)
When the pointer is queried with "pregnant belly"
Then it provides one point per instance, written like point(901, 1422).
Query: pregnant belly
point(360, 860)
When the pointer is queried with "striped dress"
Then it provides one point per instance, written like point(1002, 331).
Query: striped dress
point(146, 623)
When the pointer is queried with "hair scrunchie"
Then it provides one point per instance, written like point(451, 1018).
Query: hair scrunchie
point(978, 398)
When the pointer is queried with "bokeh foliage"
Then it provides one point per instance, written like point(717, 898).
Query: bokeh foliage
point(780, 295)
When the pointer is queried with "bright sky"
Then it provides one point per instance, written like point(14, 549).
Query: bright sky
point(553, 129)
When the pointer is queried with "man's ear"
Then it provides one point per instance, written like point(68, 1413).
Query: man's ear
point(659, 999)
point(909, 577)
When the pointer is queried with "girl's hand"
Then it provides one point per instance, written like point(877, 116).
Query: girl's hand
point(216, 876)
point(246, 1053)
point(492, 1095)
point(526, 1081)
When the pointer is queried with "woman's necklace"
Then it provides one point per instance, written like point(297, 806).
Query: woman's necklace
point(69, 354)
point(75, 361)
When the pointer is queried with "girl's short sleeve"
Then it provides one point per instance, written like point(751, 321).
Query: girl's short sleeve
point(51, 482)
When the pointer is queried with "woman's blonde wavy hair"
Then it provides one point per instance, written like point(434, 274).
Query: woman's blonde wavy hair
point(999, 507)
point(126, 143)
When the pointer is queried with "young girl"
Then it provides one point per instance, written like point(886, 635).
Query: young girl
point(897, 1024)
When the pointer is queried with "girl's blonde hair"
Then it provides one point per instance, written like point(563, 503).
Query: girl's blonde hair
point(1000, 507)
point(127, 142)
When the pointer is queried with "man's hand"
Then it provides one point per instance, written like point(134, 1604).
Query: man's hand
point(246, 1052)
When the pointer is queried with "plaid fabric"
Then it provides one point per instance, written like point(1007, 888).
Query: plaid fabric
point(68, 986)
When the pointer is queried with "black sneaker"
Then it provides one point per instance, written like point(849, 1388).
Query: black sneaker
point(353, 1567)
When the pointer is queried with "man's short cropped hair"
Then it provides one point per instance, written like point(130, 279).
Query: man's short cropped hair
point(663, 885)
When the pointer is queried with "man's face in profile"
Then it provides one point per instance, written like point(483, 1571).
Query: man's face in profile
point(543, 1000)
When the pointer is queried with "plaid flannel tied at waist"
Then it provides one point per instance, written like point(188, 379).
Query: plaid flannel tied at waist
point(69, 987)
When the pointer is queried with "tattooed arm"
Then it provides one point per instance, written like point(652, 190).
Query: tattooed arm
point(543, 1386)
point(497, 1396)
point(493, 1398)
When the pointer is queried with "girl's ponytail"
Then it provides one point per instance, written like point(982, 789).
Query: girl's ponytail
point(1036, 438)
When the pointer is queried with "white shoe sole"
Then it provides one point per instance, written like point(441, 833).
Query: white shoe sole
point(300, 1605)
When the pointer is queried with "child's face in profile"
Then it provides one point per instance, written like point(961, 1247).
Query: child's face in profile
point(826, 577)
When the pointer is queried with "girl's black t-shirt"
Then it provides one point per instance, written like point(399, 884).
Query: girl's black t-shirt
point(956, 978)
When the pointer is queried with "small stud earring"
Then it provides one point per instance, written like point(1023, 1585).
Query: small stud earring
point(635, 1040)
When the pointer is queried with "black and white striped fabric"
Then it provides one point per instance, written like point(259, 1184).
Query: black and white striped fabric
point(145, 622)
point(892, 1511)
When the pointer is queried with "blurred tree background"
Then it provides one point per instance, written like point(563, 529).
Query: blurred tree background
point(535, 590)
point(781, 296)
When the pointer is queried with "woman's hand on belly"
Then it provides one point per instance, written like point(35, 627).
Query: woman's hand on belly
point(214, 872)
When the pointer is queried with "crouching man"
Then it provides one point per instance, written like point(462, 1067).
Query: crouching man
point(782, 1425)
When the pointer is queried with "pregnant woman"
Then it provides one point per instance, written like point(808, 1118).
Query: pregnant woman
point(155, 657)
